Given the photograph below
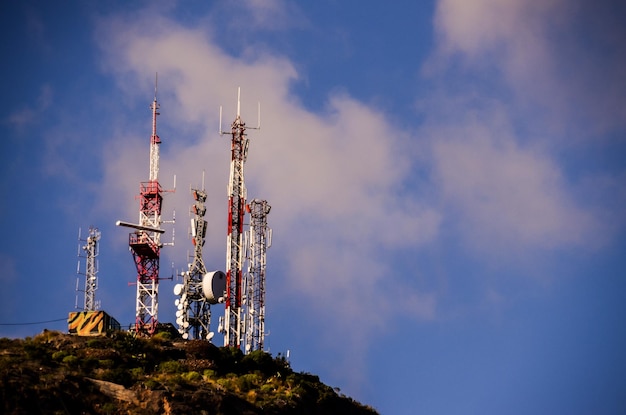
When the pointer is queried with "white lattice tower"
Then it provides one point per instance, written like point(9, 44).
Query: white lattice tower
point(259, 239)
point(91, 251)
point(194, 309)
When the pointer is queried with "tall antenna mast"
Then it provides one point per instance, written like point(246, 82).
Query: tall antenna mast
point(232, 324)
point(91, 251)
point(259, 239)
point(155, 141)
point(145, 242)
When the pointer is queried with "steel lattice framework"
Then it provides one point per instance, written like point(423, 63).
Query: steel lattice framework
point(91, 269)
point(194, 310)
point(145, 245)
point(232, 324)
point(145, 242)
point(259, 239)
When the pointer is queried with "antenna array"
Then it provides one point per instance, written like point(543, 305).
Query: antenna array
point(231, 325)
point(193, 314)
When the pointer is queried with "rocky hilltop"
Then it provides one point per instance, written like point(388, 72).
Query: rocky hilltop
point(55, 373)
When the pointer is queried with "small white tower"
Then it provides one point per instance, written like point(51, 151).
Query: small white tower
point(90, 253)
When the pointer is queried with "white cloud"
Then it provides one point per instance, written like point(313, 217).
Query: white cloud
point(561, 59)
point(270, 14)
point(508, 197)
point(522, 96)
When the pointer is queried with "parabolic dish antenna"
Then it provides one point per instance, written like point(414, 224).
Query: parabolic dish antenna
point(213, 286)
point(178, 288)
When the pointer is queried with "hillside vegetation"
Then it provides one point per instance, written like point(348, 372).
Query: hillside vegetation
point(55, 373)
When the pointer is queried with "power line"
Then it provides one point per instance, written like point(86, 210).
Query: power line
point(34, 322)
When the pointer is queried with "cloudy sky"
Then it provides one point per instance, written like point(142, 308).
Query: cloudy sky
point(447, 181)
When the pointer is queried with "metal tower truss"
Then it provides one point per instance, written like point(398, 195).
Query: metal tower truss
point(232, 324)
point(200, 288)
point(259, 238)
point(145, 242)
point(91, 251)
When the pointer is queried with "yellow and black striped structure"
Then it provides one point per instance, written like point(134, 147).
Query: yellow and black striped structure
point(91, 323)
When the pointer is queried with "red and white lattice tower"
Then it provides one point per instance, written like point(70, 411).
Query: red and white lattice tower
point(232, 324)
point(259, 238)
point(145, 242)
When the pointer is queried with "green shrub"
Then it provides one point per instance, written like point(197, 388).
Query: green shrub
point(162, 336)
point(248, 381)
point(192, 376)
point(171, 366)
point(35, 350)
point(152, 384)
point(95, 343)
point(137, 373)
point(58, 356)
point(258, 360)
point(209, 374)
point(71, 360)
point(267, 388)
point(229, 360)
point(226, 383)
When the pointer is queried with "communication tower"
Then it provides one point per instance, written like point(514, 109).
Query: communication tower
point(145, 242)
point(200, 288)
point(231, 324)
point(259, 238)
point(91, 251)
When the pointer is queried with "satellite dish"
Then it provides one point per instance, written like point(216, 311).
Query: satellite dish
point(185, 336)
point(178, 288)
point(180, 306)
point(179, 321)
point(210, 335)
point(179, 313)
point(213, 286)
point(176, 302)
point(185, 324)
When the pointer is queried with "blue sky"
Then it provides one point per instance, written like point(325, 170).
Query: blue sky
point(447, 182)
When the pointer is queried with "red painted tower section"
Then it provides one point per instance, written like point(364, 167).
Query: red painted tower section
point(236, 210)
point(145, 242)
point(232, 324)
